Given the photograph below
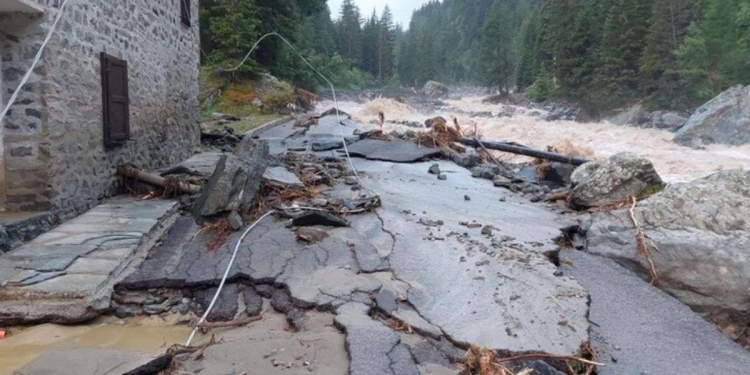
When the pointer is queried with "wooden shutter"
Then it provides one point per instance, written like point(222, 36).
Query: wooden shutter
point(185, 12)
point(115, 100)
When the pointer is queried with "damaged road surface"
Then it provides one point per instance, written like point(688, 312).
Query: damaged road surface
point(447, 263)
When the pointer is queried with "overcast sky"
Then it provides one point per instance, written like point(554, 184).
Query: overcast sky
point(401, 9)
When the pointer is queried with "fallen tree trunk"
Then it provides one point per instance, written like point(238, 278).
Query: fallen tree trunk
point(526, 151)
point(132, 172)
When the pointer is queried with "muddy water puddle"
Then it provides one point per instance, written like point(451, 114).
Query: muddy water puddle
point(149, 335)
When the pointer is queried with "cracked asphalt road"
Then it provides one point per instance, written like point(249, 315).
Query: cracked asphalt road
point(416, 260)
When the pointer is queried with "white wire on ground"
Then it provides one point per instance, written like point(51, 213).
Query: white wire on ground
point(226, 274)
point(38, 57)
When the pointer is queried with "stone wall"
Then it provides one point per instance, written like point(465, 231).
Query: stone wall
point(60, 113)
point(25, 155)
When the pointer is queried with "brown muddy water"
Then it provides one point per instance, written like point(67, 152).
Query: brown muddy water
point(597, 140)
point(142, 335)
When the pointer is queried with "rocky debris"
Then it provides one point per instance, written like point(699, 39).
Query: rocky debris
point(223, 139)
point(435, 89)
point(561, 112)
point(613, 181)
point(468, 159)
point(397, 151)
point(439, 120)
point(282, 177)
point(490, 172)
point(724, 120)
point(314, 170)
point(311, 234)
point(700, 229)
point(442, 177)
point(638, 116)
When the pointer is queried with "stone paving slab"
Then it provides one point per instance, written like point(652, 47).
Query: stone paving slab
point(67, 274)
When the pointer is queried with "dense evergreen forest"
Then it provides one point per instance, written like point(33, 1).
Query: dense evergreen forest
point(602, 53)
point(672, 54)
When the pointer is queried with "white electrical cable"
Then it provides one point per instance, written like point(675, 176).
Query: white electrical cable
point(226, 274)
point(38, 57)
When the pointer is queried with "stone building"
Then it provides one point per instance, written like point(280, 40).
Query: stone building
point(118, 82)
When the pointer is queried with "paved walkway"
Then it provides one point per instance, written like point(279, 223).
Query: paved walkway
point(66, 275)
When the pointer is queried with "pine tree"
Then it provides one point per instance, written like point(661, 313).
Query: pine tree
point(386, 40)
point(659, 76)
point(498, 47)
point(234, 28)
point(528, 50)
point(621, 50)
point(350, 31)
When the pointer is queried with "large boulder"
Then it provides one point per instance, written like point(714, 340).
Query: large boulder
point(702, 233)
point(233, 180)
point(638, 116)
point(725, 120)
point(599, 184)
point(435, 89)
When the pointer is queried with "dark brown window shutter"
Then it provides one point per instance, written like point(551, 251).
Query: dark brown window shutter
point(185, 12)
point(115, 100)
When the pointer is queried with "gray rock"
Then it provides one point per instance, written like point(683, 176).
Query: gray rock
point(281, 176)
point(724, 120)
point(623, 175)
point(669, 121)
point(311, 234)
point(540, 367)
point(350, 180)
point(435, 89)
point(701, 231)
point(634, 115)
point(442, 177)
point(469, 159)
point(234, 180)
point(434, 169)
point(557, 174)
point(226, 306)
point(501, 181)
point(253, 301)
point(235, 220)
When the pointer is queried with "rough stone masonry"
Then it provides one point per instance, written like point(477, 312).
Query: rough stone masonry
point(53, 138)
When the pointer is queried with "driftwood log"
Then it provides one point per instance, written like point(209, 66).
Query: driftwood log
point(526, 151)
point(130, 171)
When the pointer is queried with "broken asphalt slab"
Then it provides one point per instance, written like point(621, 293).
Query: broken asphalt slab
point(397, 151)
point(67, 275)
